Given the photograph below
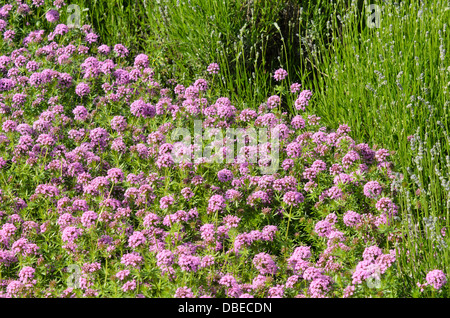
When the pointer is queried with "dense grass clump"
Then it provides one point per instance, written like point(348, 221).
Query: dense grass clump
point(390, 84)
point(249, 39)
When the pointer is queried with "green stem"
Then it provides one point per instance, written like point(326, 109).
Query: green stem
point(289, 220)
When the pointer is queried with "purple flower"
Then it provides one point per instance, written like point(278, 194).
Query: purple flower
point(14, 288)
point(118, 145)
point(323, 228)
point(228, 281)
point(166, 201)
point(164, 161)
point(88, 219)
point(207, 261)
point(364, 270)
point(45, 140)
point(189, 263)
point(47, 190)
point(132, 259)
point(303, 99)
point(70, 234)
point(213, 68)
point(141, 61)
point(334, 193)
point(184, 292)
point(52, 16)
point(26, 276)
point(139, 108)
point(319, 287)
point(312, 273)
point(294, 149)
point(82, 89)
point(187, 193)
point(293, 198)
point(350, 158)
point(280, 74)
point(273, 101)
point(265, 264)
point(258, 196)
point(104, 49)
point(351, 218)
point(207, 232)
point(268, 232)
point(232, 195)
point(151, 219)
point(165, 259)
point(9, 35)
point(381, 155)
point(276, 292)
point(372, 189)
point(60, 29)
point(298, 122)
point(115, 175)
point(121, 50)
point(130, 285)
point(216, 203)
point(9, 125)
point(6, 84)
point(201, 84)
point(122, 274)
point(436, 278)
point(95, 185)
point(387, 206)
point(59, 3)
point(99, 136)
point(342, 178)
point(259, 282)
point(91, 38)
point(137, 239)
point(3, 25)
point(295, 87)
point(225, 175)
point(80, 113)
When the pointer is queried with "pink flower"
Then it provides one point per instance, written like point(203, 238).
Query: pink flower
point(166, 201)
point(82, 89)
point(303, 100)
point(216, 203)
point(225, 175)
point(136, 240)
point(184, 292)
point(295, 87)
point(436, 278)
point(130, 285)
point(280, 74)
point(123, 274)
point(351, 218)
point(265, 264)
point(372, 189)
point(323, 228)
point(213, 68)
point(293, 198)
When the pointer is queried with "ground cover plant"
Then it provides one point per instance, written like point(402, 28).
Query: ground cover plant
point(101, 198)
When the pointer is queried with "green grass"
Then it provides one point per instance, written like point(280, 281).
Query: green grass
point(248, 39)
point(389, 83)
